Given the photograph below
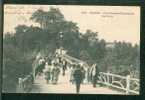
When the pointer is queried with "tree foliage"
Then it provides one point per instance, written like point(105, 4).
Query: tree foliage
point(20, 47)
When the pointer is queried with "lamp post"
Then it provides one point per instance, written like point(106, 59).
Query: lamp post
point(61, 41)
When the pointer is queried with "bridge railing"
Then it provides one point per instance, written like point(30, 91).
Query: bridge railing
point(126, 83)
point(25, 84)
point(72, 60)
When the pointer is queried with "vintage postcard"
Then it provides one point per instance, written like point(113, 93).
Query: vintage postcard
point(71, 49)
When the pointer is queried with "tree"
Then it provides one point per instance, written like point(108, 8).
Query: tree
point(47, 19)
point(21, 28)
point(119, 58)
point(95, 47)
point(21, 47)
point(39, 16)
point(15, 65)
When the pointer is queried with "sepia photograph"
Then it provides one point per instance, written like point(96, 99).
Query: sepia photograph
point(71, 49)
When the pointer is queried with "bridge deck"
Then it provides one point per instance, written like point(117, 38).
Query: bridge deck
point(64, 86)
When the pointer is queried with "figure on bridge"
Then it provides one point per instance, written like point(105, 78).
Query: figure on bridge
point(40, 67)
point(47, 72)
point(64, 67)
point(48, 59)
point(72, 72)
point(83, 72)
point(94, 74)
point(55, 73)
point(59, 60)
point(78, 77)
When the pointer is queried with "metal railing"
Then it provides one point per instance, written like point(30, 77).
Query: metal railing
point(125, 83)
point(128, 84)
point(72, 60)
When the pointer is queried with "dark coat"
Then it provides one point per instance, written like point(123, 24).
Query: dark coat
point(78, 76)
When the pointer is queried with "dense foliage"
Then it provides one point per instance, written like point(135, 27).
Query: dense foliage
point(21, 47)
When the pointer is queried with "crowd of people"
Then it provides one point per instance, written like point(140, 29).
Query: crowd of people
point(79, 72)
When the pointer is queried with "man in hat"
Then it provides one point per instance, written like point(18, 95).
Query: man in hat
point(78, 76)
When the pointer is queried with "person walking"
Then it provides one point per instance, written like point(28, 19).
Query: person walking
point(89, 74)
point(47, 73)
point(49, 60)
point(78, 76)
point(71, 73)
point(83, 73)
point(60, 60)
point(64, 67)
point(95, 73)
point(55, 73)
point(40, 66)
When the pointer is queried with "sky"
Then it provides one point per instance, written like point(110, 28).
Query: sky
point(121, 23)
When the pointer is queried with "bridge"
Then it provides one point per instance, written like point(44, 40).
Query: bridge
point(108, 83)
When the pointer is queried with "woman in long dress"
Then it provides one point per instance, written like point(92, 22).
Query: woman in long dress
point(47, 73)
point(55, 73)
point(94, 74)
